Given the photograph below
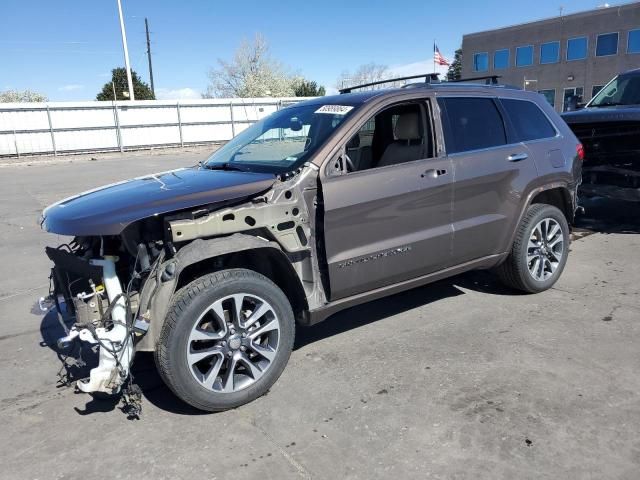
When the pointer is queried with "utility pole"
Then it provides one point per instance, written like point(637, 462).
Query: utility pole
point(146, 26)
point(126, 52)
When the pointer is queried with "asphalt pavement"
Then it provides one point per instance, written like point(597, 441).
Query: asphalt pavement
point(459, 379)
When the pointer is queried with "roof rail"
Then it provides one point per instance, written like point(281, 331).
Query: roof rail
point(428, 78)
point(490, 79)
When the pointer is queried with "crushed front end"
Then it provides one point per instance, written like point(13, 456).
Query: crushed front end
point(87, 284)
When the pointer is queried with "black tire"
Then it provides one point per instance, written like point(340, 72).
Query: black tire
point(514, 271)
point(187, 306)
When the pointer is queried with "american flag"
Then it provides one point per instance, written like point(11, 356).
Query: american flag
point(437, 56)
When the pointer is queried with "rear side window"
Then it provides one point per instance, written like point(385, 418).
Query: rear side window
point(471, 124)
point(529, 123)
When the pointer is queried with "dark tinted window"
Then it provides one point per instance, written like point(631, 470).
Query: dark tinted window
point(471, 124)
point(528, 120)
point(607, 44)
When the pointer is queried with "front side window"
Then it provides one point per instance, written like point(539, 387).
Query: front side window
point(622, 90)
point(481, 62)
point(549, 95)
point(633, 41)
point(471, 124)
point(607, 44)
point(577, 48)
point(528, 121)
point(395, 135)
point(282, 141)
point(550, 52)
point(501, 59)
point(524, 56)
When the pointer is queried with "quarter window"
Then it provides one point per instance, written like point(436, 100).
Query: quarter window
point(577, 48)
point(607, 44)
point(549, 95)
point(524, 56)
point(501, 59)
point(472, 124)
point(481, 62)
point(529, 123)
point(633, 41)
point(550, 52)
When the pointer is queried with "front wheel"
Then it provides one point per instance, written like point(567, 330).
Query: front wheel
point(226, 340)
point(539, 252)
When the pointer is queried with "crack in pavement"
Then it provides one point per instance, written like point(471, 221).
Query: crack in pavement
point(302, 471)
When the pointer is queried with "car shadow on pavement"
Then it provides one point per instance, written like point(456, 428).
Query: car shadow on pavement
point(604, 215)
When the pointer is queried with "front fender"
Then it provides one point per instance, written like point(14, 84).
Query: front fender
point(161, 288)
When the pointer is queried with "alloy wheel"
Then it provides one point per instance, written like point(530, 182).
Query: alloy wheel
point(545, 249)
point(233, 343)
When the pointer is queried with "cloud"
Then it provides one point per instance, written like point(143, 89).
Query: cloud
point(70, 88)
point(177, 93)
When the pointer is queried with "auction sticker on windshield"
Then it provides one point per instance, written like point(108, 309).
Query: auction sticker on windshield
point(334, 109)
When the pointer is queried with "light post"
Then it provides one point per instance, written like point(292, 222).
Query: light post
point(126, 52)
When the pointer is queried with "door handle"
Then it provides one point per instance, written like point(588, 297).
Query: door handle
point(434, 173)
point(517, 157)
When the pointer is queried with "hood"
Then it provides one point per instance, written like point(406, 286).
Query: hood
point(622, 113)
point(109, 210)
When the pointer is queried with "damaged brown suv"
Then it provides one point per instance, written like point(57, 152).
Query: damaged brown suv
point(321, 206)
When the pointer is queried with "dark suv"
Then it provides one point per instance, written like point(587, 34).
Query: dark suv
point(321, 206)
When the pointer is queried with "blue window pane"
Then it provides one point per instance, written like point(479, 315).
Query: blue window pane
point(550, 52)
point(633, 44)
point(577, 48)
point(481, 62)
point(607, 44)
point(524, 56)
point(501, 59)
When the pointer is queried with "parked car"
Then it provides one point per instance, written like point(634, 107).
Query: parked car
point(323, 205)
point(609, 129)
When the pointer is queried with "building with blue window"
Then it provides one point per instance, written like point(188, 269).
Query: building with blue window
point(560, 57)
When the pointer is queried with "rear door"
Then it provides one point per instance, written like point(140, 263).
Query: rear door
point(386, 224)
point(491, 172)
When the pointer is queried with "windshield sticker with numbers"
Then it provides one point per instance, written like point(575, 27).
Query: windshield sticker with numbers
point(335, 109)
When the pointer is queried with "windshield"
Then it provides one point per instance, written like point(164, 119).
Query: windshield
point(282, 141)
point(622, 90)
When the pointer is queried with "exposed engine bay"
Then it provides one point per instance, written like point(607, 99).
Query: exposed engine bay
point(117, 288)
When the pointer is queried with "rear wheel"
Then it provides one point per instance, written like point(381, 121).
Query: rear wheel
point(539, 252)
point(226, 340)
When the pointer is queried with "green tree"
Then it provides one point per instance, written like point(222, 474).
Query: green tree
point(21, 96)
point(455, 69)
point(141, 90)
point(307, 88)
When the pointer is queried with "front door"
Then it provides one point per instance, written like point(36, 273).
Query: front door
point(392, 220)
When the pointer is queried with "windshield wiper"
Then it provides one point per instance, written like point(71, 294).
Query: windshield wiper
point(223, 166)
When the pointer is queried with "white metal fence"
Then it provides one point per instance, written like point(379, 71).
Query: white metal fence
point(67, 127)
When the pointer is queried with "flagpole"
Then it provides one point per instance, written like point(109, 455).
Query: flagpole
point(434, 55)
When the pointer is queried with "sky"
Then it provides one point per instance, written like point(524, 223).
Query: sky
point(66, 49)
